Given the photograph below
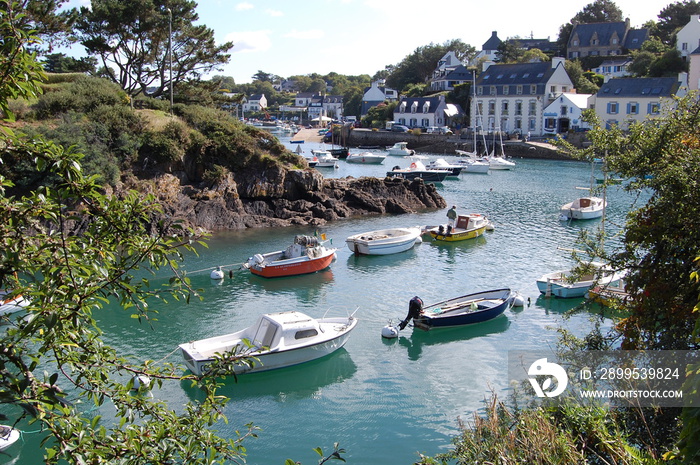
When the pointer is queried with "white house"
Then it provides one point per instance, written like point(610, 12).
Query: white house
point(330, 106)
point(688, 38)
point(624, 101)
point(255, 102)
point(512, 97)
point(423, 112)
point(614, 68)
point(375, 94)
point(450, 72)
point(488, 50)
point(564, 113)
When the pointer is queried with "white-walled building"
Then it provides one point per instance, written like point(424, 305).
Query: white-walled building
point(688, 38)
point(255, 102)
point(621, 102)
point(512, 97)
point(375, 94)
point(423, 112)
point(564, 113)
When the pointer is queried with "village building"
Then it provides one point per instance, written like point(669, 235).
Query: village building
point(624, 101)
point(375, 94)
point(688, 38)
point(450, 72)
point(614, 68)
point(604, 39)
point(512, 97)
point(256, 102)
point(564, 114)
point(424, 112)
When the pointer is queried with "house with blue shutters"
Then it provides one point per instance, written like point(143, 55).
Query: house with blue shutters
point(512, 97)
point(423, 112)
point(624, 101)
point(604, 39)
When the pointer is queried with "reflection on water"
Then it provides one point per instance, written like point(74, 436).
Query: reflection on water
point(419, 338)
point(286, 384)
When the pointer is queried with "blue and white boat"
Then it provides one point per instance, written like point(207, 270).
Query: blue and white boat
point(460, 311)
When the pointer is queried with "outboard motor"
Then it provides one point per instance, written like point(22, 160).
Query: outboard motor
point(415, 307)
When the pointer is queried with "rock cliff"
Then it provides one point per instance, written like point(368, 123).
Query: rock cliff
point(278, 196)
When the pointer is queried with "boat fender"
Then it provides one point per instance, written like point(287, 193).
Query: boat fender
point(217, 273)
point(518, 300)
point(413, 165)
point(390, 332)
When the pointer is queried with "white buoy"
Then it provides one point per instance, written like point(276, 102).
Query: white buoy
point(141, 382)
point(390, 332)
point(218, 273)
point(518, 300)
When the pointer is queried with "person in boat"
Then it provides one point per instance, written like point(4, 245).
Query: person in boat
point(415, 307)
point(452, 216)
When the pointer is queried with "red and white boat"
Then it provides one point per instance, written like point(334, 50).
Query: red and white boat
point(306, 255)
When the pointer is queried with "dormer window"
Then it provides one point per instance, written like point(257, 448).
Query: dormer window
point(426, 107)
point(414, 107)
point(402, 108)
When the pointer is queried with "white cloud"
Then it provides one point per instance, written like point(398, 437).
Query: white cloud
point(310, 34)
point(249, 41)
point(275, 13)
point(244, 6)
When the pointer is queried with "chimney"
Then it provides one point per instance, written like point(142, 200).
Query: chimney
point(556, 61)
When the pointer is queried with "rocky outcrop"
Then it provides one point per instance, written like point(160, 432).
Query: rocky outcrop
point(282, 197)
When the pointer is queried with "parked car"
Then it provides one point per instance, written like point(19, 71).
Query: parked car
point(399, 128)
point(438, 130)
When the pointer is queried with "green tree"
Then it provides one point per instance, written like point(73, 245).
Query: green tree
point(61, 63)
point(641, 62)
point(265, 77)
point(131, 40)
point(509, 51)
point(417, 67)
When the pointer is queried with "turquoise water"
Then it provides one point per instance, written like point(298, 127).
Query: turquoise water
point(384, 401)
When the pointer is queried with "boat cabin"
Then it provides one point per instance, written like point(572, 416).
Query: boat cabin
point(283, 330)
point(466, 222)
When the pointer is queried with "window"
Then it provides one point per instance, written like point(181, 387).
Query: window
point(493, 90)
point(533, 89)
point(518, 108)
point(518, 123)
point(504, 108)
point(632, 108)
point(684, 46)
point(304, 333)
point(550, 124)
point(519, 90)
point(612, 108)
point(614, 41)
point(653, 108)
point(532, 108)
point(414, 107)
point(575, 43)
point(413, 122)
point(564, 110)
point(480, 90)
point(425, 122)
point(506, 90)
point(531, 124)
point(492, 107)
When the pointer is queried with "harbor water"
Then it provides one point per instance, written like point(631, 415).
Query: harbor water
point(384, 401)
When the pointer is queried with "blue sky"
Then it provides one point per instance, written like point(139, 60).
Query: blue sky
point(297, 37)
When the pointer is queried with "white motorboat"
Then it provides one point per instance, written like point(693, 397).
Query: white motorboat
point(368, 158)
point(8, 436)
point(325, 159)
point(384, 241)
point(441, 164)
point(418, 170)
point(563, 283)
point(277, 340)
point(472, 164)
point(500, 163)
point(583, 208)
point(11, 303)
point(400, 149)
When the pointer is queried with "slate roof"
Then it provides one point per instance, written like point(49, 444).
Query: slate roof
point(635, 38)
point(460, 73)
point(420, 102)
point(492, 43)
point(639, 87)
point(516, 73)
